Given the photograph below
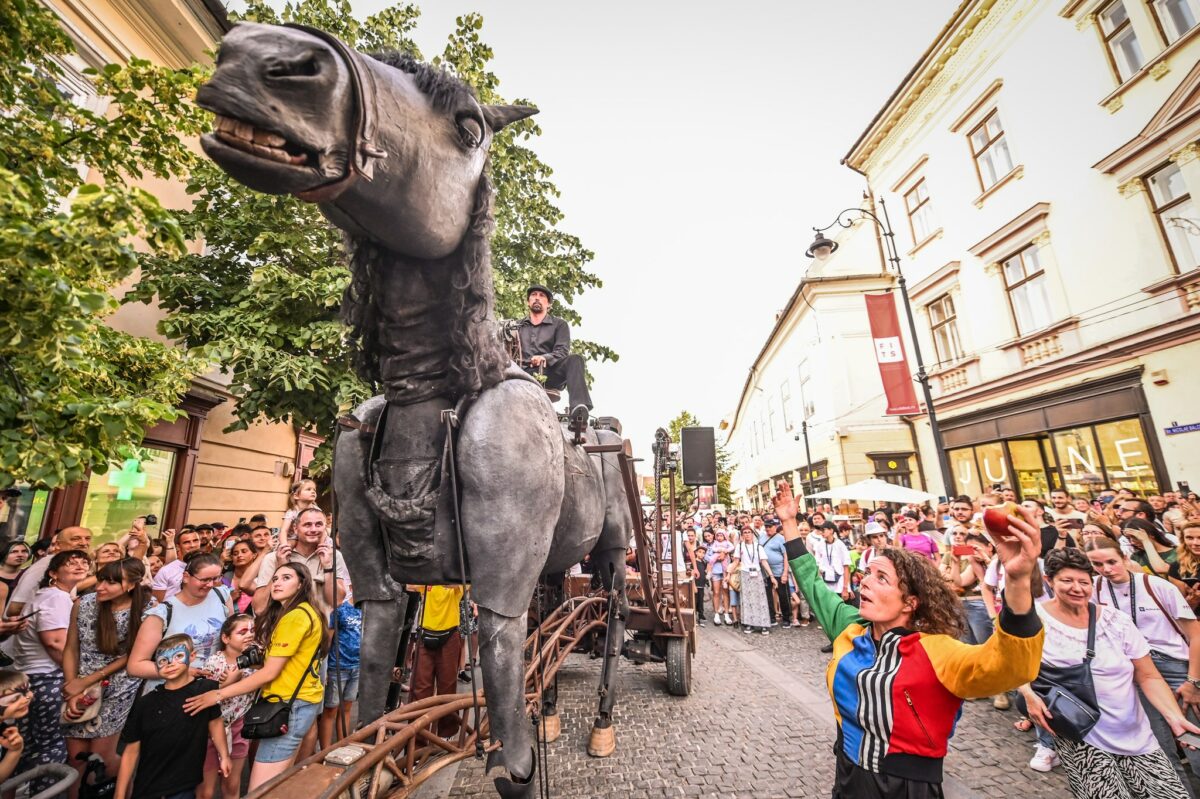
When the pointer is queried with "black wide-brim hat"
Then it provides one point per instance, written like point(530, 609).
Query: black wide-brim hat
point(541, 288)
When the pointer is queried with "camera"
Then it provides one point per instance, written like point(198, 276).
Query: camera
point(151, 520)
point(251, 657)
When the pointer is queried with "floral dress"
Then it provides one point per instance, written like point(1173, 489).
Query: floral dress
point(118, 695)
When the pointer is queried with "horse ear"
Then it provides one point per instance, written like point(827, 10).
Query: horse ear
point(498, 116)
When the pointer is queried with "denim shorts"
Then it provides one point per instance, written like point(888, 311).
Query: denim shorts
point(276, 750)
point(345, 680)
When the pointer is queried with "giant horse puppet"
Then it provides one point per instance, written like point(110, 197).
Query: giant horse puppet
point(395, 153)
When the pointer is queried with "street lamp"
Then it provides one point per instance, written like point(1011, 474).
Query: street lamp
point(822, 248)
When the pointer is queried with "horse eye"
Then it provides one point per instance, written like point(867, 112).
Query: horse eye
point(471, 131)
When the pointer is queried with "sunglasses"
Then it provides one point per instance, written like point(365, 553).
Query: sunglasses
point(15, 695)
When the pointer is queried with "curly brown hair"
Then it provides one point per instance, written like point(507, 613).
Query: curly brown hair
point(939, 610)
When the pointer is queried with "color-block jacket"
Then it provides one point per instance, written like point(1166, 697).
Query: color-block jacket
point(898, 700)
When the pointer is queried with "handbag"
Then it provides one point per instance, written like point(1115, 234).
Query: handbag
point(436, 639)
point(269, 718)
point(734, 579)
point(90, 711)
point(1070, 693)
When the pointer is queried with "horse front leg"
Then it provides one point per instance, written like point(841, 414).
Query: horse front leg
point(501, 659)
point(611, 567)
point(383, 621)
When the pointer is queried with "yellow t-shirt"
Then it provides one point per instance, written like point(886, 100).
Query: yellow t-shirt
point(297, 637)
point(441, 607)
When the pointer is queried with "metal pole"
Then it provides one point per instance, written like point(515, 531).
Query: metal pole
point(808, 467)
point(922, 377)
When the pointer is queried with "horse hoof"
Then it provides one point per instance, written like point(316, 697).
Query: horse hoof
point(549, 728)
point(602, 742)
point(509, 789)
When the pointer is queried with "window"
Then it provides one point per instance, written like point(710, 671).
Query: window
point(1176, 17)
point(785, 401)
point(1123, 49)
point(1176, 216)
point(771, 416)
point(944, 325)
point(989, 148)
point(920, 212)
point(806, 391)
point(1026, 285)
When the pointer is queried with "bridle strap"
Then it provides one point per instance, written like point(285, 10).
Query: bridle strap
point(363, 149)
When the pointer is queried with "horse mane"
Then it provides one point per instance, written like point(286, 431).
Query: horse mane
point(478, 359)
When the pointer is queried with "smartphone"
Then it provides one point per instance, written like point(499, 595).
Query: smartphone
point(230, 542)
point(1189, 739)
point(1074, 524)
point(962, 550)
point(28, 615)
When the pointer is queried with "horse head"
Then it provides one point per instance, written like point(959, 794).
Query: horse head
point(389, 148)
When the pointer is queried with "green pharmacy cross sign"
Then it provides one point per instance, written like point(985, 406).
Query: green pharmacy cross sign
point(129, 478)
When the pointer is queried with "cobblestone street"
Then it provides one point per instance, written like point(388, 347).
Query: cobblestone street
point(757, 724)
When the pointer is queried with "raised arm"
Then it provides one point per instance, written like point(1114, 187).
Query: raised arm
point(833, 614)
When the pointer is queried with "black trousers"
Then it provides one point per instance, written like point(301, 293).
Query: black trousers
point(568, 373)
point(785, 602)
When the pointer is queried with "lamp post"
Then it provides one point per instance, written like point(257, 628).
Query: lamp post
point(822, 247)
point(807, 477)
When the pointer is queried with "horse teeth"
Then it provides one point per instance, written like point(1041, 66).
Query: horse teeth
point(268, 138)
point(244, 130)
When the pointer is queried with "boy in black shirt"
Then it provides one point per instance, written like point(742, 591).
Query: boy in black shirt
point(166, 745)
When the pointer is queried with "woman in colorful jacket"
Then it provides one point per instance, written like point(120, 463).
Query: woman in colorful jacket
point(899, 674)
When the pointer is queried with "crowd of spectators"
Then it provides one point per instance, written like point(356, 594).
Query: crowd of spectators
point(146, 653)
point(1135, 561)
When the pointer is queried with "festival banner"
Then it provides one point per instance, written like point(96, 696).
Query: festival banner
point(889, 354)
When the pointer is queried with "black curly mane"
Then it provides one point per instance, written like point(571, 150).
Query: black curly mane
point(477, 360)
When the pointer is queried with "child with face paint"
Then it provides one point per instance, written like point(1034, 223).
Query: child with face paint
point(165, 745)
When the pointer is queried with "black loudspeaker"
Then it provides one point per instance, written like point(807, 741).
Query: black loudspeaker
point(698, 446)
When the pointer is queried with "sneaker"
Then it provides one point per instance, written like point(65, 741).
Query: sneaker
point(729, 618)
point(1044, 759)
point(747, 630)
point(787, 625)
point(766, 631)
point(1001, 702)
point(464, 675)
point(805, 622)
point(716, 620)
point(702, 622)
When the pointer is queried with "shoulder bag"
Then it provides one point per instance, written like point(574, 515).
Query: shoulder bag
point(733, 577)
point(269, 718)
point(1069, 692)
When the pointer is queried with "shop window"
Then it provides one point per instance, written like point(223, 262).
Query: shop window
point(943, 324)
point(920, 212)
point(1029, 468)
point(22, 511)
point(1124, 51)
point(993, 466)
point(1177, 217)
point(1079, 461)
point(1025, 282)
point(137, 487)
point(965, 472)
point(989, 148)
point(1176, 17)
point(1126, 456)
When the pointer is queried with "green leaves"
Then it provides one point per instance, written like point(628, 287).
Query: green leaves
point(74, 391)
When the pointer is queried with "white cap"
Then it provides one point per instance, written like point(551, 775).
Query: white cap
point(874, 528)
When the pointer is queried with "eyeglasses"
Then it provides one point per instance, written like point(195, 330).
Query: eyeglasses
point(209, 581)
point(15, 695)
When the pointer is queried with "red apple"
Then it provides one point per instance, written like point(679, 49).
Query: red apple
point(996, 518)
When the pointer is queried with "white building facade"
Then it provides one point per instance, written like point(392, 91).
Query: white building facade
point(1040, 162)
point(816, 376)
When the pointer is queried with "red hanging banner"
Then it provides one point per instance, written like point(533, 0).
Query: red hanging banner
point(889, 354)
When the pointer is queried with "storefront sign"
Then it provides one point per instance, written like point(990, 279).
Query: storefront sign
point(1182, 428)
point(889, 354)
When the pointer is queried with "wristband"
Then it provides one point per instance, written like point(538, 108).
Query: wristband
point(328, 570)
point(1193, 682)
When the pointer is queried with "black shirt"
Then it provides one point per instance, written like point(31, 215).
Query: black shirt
point(551, 339)
point(1050, 539)
point(174, 744)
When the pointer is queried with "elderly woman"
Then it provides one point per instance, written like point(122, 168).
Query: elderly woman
point(750, 560)
point(1119, 758)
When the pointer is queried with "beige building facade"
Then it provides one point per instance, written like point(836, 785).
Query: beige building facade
point(1040, 162)
point(190, 470)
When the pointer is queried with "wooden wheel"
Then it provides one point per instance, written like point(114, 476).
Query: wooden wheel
point(679, 667)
